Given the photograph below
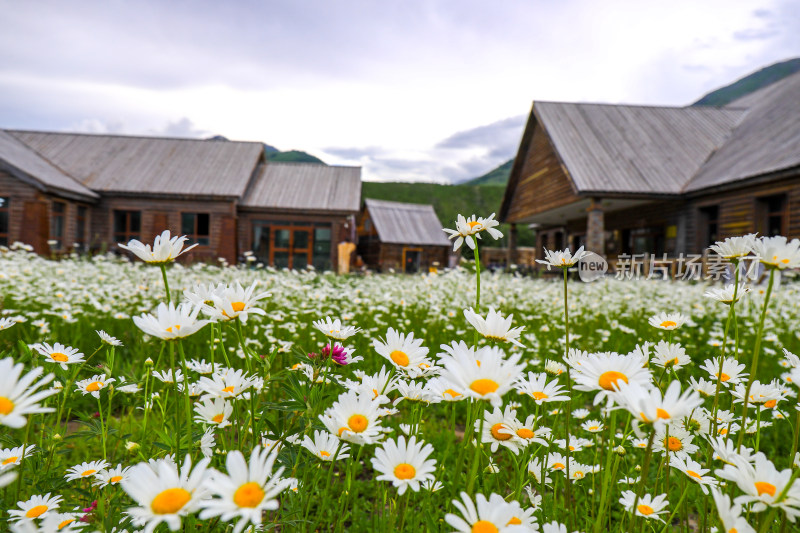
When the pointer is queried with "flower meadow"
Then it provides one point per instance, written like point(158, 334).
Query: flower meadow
point(147, 395)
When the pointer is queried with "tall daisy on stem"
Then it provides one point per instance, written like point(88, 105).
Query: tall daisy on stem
point(565, 260)
point(468, 230)
point(775, 254)
point(164, 251)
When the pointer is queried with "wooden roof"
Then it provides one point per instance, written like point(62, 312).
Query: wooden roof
point(402, 223)
point(306, 187)
point(136, 165)
point(643, 151)
point(634, 149)
point(21, 161)
point(767, 140)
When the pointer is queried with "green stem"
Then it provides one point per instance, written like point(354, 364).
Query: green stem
point(166, 283)
point(476, 453)
point(177, 403)
point(680, 502)
point(754, 365)
point(187, 397)
point(568, 410)
point(102, 426)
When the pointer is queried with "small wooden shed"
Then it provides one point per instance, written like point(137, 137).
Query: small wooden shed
point(401, 236)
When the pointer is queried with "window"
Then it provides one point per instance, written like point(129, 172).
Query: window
point(708, 225)
point(59, 210)
point(4, 216)
point(322, 248)
point(196, 227)
point(771, 215)
point(127, 225)
point(80, 228)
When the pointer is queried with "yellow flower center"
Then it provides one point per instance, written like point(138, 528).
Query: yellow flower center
point(723, 377)
point(452, 393)
point(608, 379)
point(496, 432)
point(484, 386)
point(6, 405)
point(400, 358)
point(87, 473)
point(645, 509)
point(473, 224)
point(176, 326)
point(484, 526)
point(115, 479)
point(673, 444)
point(733, 530)
point(237, 307)
point(668, 324)
point(248, 495)
point(357, 423)
point(60, 357)
point(217, 419)
point(10, 460)
point(525, 433)
point(785, 261)
point(170, 501)
point(36, 512)
point(228, 389)
point(94, 386)
point(404, 471)
point(323, 453)
point(558, 466)
point(593, 428)
point(770, 404)
point(539, 395)
point(694, 474)
point(764, 487)
point(514, 521)
point(65, 523)
point(661, 413)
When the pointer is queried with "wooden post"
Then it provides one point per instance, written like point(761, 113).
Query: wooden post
point(595, 228)
point(512, 255)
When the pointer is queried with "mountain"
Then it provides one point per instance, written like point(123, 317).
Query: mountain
point(497, 176)
point(293, 156)
point(751, 83)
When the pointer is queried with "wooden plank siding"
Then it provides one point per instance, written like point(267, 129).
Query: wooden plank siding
point(159, 214)
point(543, 182)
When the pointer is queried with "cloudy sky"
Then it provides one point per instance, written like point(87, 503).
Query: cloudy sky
point(409, 89)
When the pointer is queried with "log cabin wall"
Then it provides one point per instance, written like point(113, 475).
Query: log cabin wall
point(159, 214)
point(23, 224)
point(543, 183)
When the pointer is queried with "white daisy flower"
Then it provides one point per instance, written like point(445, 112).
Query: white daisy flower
point(163, 493)
point(726, 294)
point(778, 252)
point(563, 258)
point(355, 418)
point(85, 470)
point(483, 517)
point(18, 394)
point(334, 329)
point(646, 506)
point(668, 321)
point(404, 351)
point(171, 322)
point(730, 514)
point(111, 476)
point(405, 465)
point(93, 385)
point(734, 247)
point(603, 372)
point(227, 383)
point(10, 457)
point(762, 484)
point(485, 374)
point(207, 442)
point(59, 354)
point(468, 229)
point(650, 407)
point(537, 387)
point(35, 507)
point(670, 355)
point(695, 471)
point(732, 371)
point(496, 430)
point(108, 339)
point(215, 411)
point(247, 490)
point(494, 326)
point(324, 446)
point(234, 301)
point(165, 248)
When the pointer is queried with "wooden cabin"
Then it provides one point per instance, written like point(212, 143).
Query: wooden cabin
point(624, 179)
point(401, 237)
point(66, 191)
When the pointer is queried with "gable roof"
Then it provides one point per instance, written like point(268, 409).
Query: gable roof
point(305, 186)
point(767, 139)
point(634, 149)
point(136, 165)
point(402, 223)
point(24, 163)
